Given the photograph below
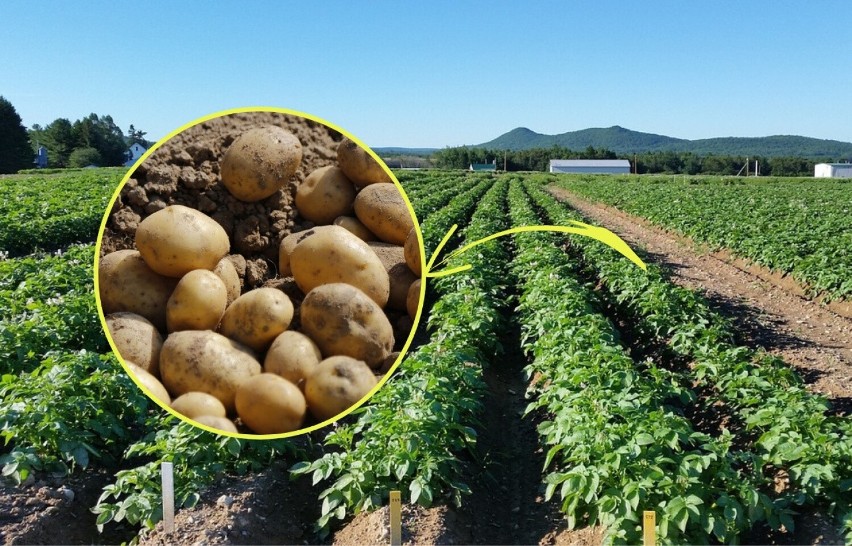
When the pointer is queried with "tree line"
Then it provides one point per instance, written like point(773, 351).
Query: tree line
point(93, 140)
point(538, 159)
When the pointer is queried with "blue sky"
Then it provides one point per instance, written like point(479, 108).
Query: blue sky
point(437, 74)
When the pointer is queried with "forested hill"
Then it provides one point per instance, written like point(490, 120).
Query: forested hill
point(624, 141)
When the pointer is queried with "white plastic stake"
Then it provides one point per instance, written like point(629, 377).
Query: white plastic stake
point(168, 497)
point(395, 519)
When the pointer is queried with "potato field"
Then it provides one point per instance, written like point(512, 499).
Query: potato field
point(554, 391)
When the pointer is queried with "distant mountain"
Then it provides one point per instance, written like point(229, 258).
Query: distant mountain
point(396, 150)
point(624, 141)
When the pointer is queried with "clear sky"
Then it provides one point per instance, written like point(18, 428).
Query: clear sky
point(435, 74)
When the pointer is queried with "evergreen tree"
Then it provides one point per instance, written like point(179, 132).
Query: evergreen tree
point(15, 150)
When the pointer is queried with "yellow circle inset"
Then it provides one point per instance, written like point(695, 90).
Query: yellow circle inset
point(183, 168)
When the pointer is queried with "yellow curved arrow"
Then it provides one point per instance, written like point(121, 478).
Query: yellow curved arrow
point(598, 233)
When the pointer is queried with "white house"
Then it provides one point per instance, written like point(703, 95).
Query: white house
point(134, 153)
point(833, 170)
point(587, 166)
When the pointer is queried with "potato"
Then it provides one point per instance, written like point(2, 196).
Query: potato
point(136, 340)
point(337, 384)
point(293, 356)
point(208, 362)
point(387, 364)
point(413, 301)
point(155, 388)
point(335, 255)
point(324, 195)
point(195, 404)
point(399, 275)
point(177, 239)
point(359, 165)
point(220, 423)
point(126, 283)
point(269, 404)
point(260, 162)
point(382, 209)
point(197, 303)
point(355, 227)
point(226, 271)
point(288, 243)
point(412, 253)
point(342, 320)
point(257, 317)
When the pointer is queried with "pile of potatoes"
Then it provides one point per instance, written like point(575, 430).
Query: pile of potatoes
point(229, 360)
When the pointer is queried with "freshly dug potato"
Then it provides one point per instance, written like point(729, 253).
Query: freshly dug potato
point(288, 243)
point(151, 383)
point(413, 300)
point(126, 283)
point(219, 423)
point(399, 275)
point(337, 384)
point(293, 356)
point(137, 340)
point(208, 362)
point(412, 253)
point(196, 404)
point(343, 320)
point(257, 317)
point(197, 303)
point(177, 239)
point(359, 165)
point(260, 162)
point(226, 271)
point(334, 255)
point(354, 226)
point(382, 209)
point(324, 195)
point(269, 404)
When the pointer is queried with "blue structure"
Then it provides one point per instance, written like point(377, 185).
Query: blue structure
point(41, 158)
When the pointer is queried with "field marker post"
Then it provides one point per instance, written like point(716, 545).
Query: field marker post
point(649, 531)
point(395, 519)
point(167, 472)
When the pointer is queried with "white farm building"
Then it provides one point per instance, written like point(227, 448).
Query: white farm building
point(833, 170)
point(590, 166)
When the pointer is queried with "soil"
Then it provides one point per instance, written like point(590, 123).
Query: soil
point(775, 316)
point(57, 510)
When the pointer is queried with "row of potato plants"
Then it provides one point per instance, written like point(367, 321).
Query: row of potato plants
point(65, 402)
point(430, 192)
point(415, 433)
point(786, 433)
point(801, 227)
point(617, 442)
point(52, 211)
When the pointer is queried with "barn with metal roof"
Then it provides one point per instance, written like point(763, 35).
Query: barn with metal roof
point(590, 166)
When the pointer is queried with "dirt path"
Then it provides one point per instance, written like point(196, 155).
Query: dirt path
point(805, 333)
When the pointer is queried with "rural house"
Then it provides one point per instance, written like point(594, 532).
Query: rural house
point(134, 153)
point(590, 166)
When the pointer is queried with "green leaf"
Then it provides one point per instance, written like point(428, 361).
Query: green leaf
point(415, 489)
point(644, 439)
